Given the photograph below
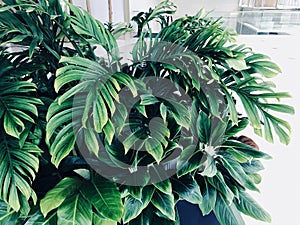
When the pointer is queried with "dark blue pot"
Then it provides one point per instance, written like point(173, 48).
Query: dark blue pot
point(191, 215)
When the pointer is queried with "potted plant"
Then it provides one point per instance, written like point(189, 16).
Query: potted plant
point(89, 139)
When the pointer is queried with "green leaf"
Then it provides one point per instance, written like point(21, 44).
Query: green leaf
point(204, 127)
point(232, 107)
point(100, 221)
point(100, 114)
point(237, 64)
point(283, 136)
point(187, 188)
point(164, 186)
point(18, 168)
point(251, 111)
point(91, 140)
point(142, 219)
point(56, 196)
point(75, 210)
point(165, 204)
point(7, 216)
point(180, 113)
point(85, 24)
point(38, 219)
point(220, 185)
point(109, 131)
point(148, 99)
point(227, 214)
point(105, 197)
point(133, 207)
point(247, 205)
point(208, 166)
point(63, 144)
point(154, 148)
point(252, 166)
point(245, 149)
point(189, 160)
point(209, 199)
point(237, 172)
point(232, 131)
point(279, 108)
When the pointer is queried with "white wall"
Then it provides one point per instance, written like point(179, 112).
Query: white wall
point(220, 8)
point(281, 180)
point(188, 6)
point(193, 6)
point(99, 9)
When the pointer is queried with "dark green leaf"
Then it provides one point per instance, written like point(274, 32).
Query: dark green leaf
point(247, 205)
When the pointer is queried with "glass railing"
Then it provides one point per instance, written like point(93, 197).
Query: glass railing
point(259, 21)
point(275, 4)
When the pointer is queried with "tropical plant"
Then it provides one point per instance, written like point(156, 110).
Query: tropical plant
point(88, 139)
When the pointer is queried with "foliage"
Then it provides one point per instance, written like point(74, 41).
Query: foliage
point(64, 110)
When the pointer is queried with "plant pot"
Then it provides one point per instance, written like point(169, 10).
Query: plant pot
point(190, 214)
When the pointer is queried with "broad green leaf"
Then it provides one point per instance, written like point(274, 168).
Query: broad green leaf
point(13, 125)
point(204, 127)
point(232, 107)
point(100, 114)
point(148, 99)
point(279, 108)
point(164, 203)
point(164, 186)
point(252, 167)
point(180, 113)
point(237, 64)
point(232, 131)
point(245, 149)
point(247, 205)
point(18, 168)
point(100, 221)
point(189, 160)
point(133, 207)
point(105, 197)
point(220, 185)
point(109, 131)
point(237, 172)
point(187, 188)
point(56, 196)
point(75, 210)
point(208, 202)
point(62, 145)
point(154, 148)
point(92, 140)
point(227, 214)
point(38, 219)
point(208, 166)
point(283, 136)
point(251, 111)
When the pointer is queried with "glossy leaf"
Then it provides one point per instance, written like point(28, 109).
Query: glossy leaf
point(56, 196)
point(209, 199)
point(75, 210)
point(105, 197)
point(247, 205)
point(164, 203)
point(227, 214)
point(187, 188)
point(133, 207)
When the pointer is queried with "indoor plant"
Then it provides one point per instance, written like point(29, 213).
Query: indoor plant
point(88, 139)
